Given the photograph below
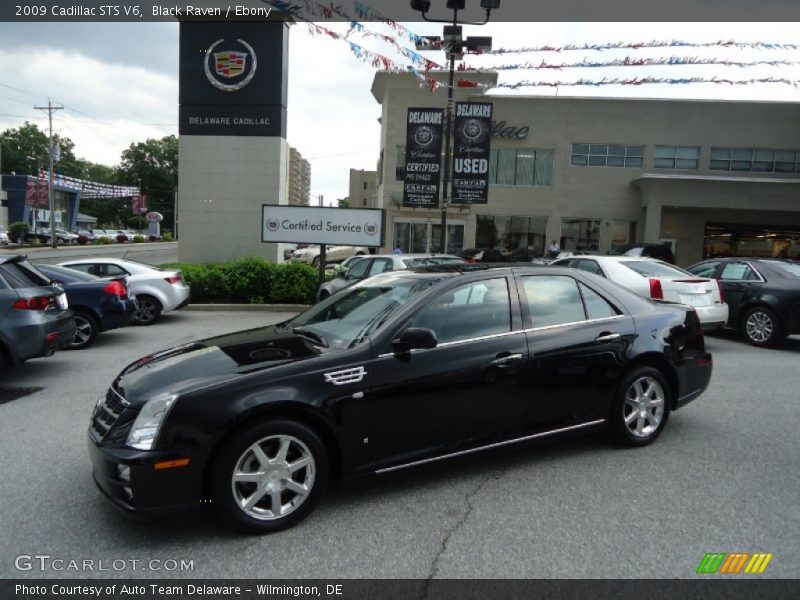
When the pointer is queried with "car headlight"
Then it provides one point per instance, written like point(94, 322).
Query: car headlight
point(149, 421)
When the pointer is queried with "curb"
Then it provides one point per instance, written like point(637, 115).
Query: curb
point(248, 307)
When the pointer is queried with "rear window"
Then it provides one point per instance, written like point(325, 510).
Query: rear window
point(23, 275)
point(654, 268)
point(784, 268)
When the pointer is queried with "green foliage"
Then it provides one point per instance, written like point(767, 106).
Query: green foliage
point(103, 241)
point(293, 282)
point(251, 280)
point(343, 202)
point(17, 230)
point(250, 276)
point(138, 239)
point(166, 236)
point(135, 222)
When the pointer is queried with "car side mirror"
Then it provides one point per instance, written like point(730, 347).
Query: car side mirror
point(341, 275)
point(414, 338)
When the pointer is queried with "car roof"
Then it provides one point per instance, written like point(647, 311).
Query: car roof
point(615, 258)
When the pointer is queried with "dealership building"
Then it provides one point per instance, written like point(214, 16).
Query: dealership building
point(708, 177)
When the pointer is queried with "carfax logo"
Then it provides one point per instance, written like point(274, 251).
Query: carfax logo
point(734, 563)
point(230, 65)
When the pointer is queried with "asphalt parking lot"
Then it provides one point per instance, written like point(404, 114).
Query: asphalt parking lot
point(722, 478)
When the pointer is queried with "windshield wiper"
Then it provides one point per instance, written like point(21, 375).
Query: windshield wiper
point(308, 334)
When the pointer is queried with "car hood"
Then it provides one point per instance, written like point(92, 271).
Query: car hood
point(214, 360)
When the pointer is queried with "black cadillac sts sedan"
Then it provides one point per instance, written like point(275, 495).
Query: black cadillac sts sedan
point(401, 369)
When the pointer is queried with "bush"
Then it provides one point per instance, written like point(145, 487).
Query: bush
point(83, 240)
point(17, 231)
point(249, 280)
point(166, 236)
point(248, 277)
point(293, 282)
point(138, 239)
point(103, 241)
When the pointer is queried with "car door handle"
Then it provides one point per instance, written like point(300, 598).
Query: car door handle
point(607, 337)
point(502, 361)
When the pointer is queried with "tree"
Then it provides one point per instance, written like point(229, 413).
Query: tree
point(155, 162)
point(343, 202)
point(29, 141)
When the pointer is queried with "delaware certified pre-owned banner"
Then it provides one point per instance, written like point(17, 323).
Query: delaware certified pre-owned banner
point(311, 225)
point(473, 129)
point(423, 157)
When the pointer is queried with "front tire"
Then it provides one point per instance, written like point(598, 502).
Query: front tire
point(86, 329)
point(269, 476)
point(641, 406)
point(761, 327)
point(149, 311)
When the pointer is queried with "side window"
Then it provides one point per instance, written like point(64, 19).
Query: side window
point(469, 311)
point(597, 307)
point(380, 265)
point(590, 266)
point(84, 268)
point(359, 270)
point(706, 269)
point(112, 270)
point(553, 300)
point(738, 271)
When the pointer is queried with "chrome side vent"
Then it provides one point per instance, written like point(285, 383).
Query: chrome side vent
point(346, 376)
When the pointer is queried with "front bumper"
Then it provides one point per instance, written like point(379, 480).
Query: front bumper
point(148, 490)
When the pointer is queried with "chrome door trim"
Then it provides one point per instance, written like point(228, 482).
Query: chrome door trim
point(600, 320)
point(457, 342)
point(490, 446)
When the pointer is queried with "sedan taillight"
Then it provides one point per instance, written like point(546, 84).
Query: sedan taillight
point(37, 303)
point(655, 289)
point(721, 293)
point(115, 288)
point(173, 279)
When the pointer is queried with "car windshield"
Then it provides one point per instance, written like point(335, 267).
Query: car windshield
point(654, 268)
point(784, 268)
point(351, 316)
point(57, 272)
point(22, 274)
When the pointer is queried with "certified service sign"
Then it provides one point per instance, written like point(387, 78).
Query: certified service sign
point(312, 225)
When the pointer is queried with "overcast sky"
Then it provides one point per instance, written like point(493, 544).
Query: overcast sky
point(119, 81)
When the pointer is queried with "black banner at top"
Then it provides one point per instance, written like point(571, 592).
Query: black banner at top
point(473, 131)
point(423, 157)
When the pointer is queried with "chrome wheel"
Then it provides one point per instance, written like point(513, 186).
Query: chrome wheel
point(84, 330)
point(759, 326)
point(273, 477)
point(643, 408)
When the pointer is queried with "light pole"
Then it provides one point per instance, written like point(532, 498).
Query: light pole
point(454, 45)
point(36, 201)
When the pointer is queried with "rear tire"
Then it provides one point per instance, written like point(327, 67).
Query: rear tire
point(86, 329)
point(641, 406)
point(761, 327)
point(149, 311)
point(266, 468)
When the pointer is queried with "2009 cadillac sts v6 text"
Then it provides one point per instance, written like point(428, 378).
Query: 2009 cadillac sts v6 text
point(400, 369)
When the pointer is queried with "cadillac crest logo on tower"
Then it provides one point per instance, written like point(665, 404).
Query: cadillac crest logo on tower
point(230, 65)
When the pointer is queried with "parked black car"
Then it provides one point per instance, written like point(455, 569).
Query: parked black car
point(763, 295)
point(657, 251)
point(401, 369)
point(98, 304)
point(34, 318)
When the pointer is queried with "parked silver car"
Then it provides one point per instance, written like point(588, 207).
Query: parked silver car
point(157, 291)
point(35, 319)
point(368, 266)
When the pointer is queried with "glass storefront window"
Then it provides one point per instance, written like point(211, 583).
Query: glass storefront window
point(424, 237)
point(737, 239)
point(515, 236)
point(580, 234)
point(621, 233)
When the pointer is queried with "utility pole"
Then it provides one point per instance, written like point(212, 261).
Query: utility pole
point(36, 202)
point(51, 150)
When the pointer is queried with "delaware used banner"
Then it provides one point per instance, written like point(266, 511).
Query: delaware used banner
point(473, 127)
point(423, 157)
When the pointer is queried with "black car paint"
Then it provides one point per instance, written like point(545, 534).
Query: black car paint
point(776, 290)
point(564, 379)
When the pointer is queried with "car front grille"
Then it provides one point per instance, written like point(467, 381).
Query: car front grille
point(107, 413)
